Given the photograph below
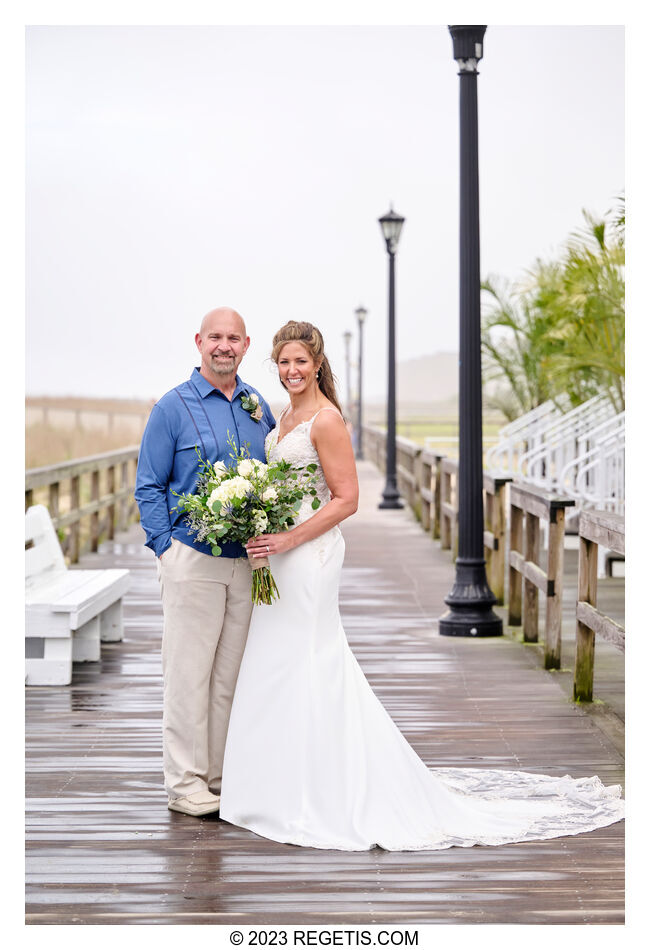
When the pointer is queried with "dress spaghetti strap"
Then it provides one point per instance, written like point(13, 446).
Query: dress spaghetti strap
point(326, 409)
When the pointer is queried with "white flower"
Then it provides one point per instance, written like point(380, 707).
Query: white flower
point(219, 469)
point(261, 521)
point(254, 398)
point(245, 467)
point(236, 487)
point(270, 494)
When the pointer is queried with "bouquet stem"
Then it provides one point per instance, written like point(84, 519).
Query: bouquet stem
point(264, 589)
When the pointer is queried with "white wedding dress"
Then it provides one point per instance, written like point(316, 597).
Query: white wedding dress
point(313, 758)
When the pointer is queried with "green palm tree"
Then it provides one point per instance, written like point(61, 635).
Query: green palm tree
point(589, 312)
point(561, 330)
point(515, 335)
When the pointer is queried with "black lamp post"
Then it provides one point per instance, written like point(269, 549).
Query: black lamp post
point(347, 336)
point(391, 226)
point(470, 601)
point(360, 313)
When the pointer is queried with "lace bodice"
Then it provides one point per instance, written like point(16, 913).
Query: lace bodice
point(297, 448)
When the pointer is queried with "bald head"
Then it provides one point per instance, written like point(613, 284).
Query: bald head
point(222, 343)
point(222, 315)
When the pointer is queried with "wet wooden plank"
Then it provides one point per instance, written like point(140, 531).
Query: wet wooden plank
point(102, 848)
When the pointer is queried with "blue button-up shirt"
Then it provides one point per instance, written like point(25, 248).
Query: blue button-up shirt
point(193, 415)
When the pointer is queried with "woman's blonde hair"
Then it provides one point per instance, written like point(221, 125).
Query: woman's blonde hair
point(299, 331)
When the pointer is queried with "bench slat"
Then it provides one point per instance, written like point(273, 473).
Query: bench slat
point(93, 596)
point(80, 606)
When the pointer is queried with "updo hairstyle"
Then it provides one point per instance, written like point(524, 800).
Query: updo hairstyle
point(299, 331)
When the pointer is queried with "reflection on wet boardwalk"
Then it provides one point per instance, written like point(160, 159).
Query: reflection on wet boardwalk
point(104, 849)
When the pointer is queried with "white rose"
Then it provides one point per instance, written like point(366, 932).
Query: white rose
point(245, 467)
point(236, 487)
point(219, 469)
point(254, 398)
point(270, 494)
point(261, 521)
point(213, 497)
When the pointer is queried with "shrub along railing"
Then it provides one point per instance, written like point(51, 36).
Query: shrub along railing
point(83, 513)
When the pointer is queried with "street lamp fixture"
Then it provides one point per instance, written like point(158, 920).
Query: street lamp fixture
point(360, 313)
point(470, 600)
point(391, 226)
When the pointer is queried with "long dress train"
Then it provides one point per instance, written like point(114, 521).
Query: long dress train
point(313, 758)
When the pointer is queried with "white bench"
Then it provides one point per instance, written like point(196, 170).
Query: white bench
point(67, 612)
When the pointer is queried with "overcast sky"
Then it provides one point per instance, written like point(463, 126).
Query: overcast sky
point(174, 169)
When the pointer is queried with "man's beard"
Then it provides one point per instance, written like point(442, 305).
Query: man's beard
point(223, 366)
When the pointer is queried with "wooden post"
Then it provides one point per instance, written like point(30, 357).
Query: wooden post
point(94, 518)
point(531, 594)
point(417, 476)
point(110, 478)
point(583, 677)
point(437, 494)
point(423, 490)
point(53, 502)
point(497, 576)
point(123, 502)
point(515, 578)
point(555, 572)
point(488, 500)
point(74, 527)
point(454, 520)
point(445, 519)
point(133, 508)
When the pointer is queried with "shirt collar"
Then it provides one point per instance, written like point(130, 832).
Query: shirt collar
point(205, 388)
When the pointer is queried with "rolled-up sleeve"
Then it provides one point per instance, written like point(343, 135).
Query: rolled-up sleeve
point(155, 464)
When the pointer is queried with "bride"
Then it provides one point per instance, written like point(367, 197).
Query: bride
point(312, 758)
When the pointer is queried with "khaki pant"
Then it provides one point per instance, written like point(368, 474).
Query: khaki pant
point(207, 607)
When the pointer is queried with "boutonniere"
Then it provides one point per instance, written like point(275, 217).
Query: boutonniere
point(251, 403)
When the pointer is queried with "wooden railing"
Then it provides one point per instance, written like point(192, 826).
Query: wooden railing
point(449, 506)
point(82, 510)
point(427, 480)
point(409, 474)
point(534, 504)
point(430, 481)
point(594, 528)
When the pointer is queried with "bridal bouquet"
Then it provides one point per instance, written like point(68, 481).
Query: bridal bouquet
point(238, 501)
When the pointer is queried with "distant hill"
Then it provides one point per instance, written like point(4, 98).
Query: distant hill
point(424, 381)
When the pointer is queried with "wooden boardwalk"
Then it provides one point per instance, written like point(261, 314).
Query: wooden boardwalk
point(102, 847)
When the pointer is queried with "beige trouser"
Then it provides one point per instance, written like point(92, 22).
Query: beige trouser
point(207, 607)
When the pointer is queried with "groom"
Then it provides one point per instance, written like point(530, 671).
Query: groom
point(206, 600)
